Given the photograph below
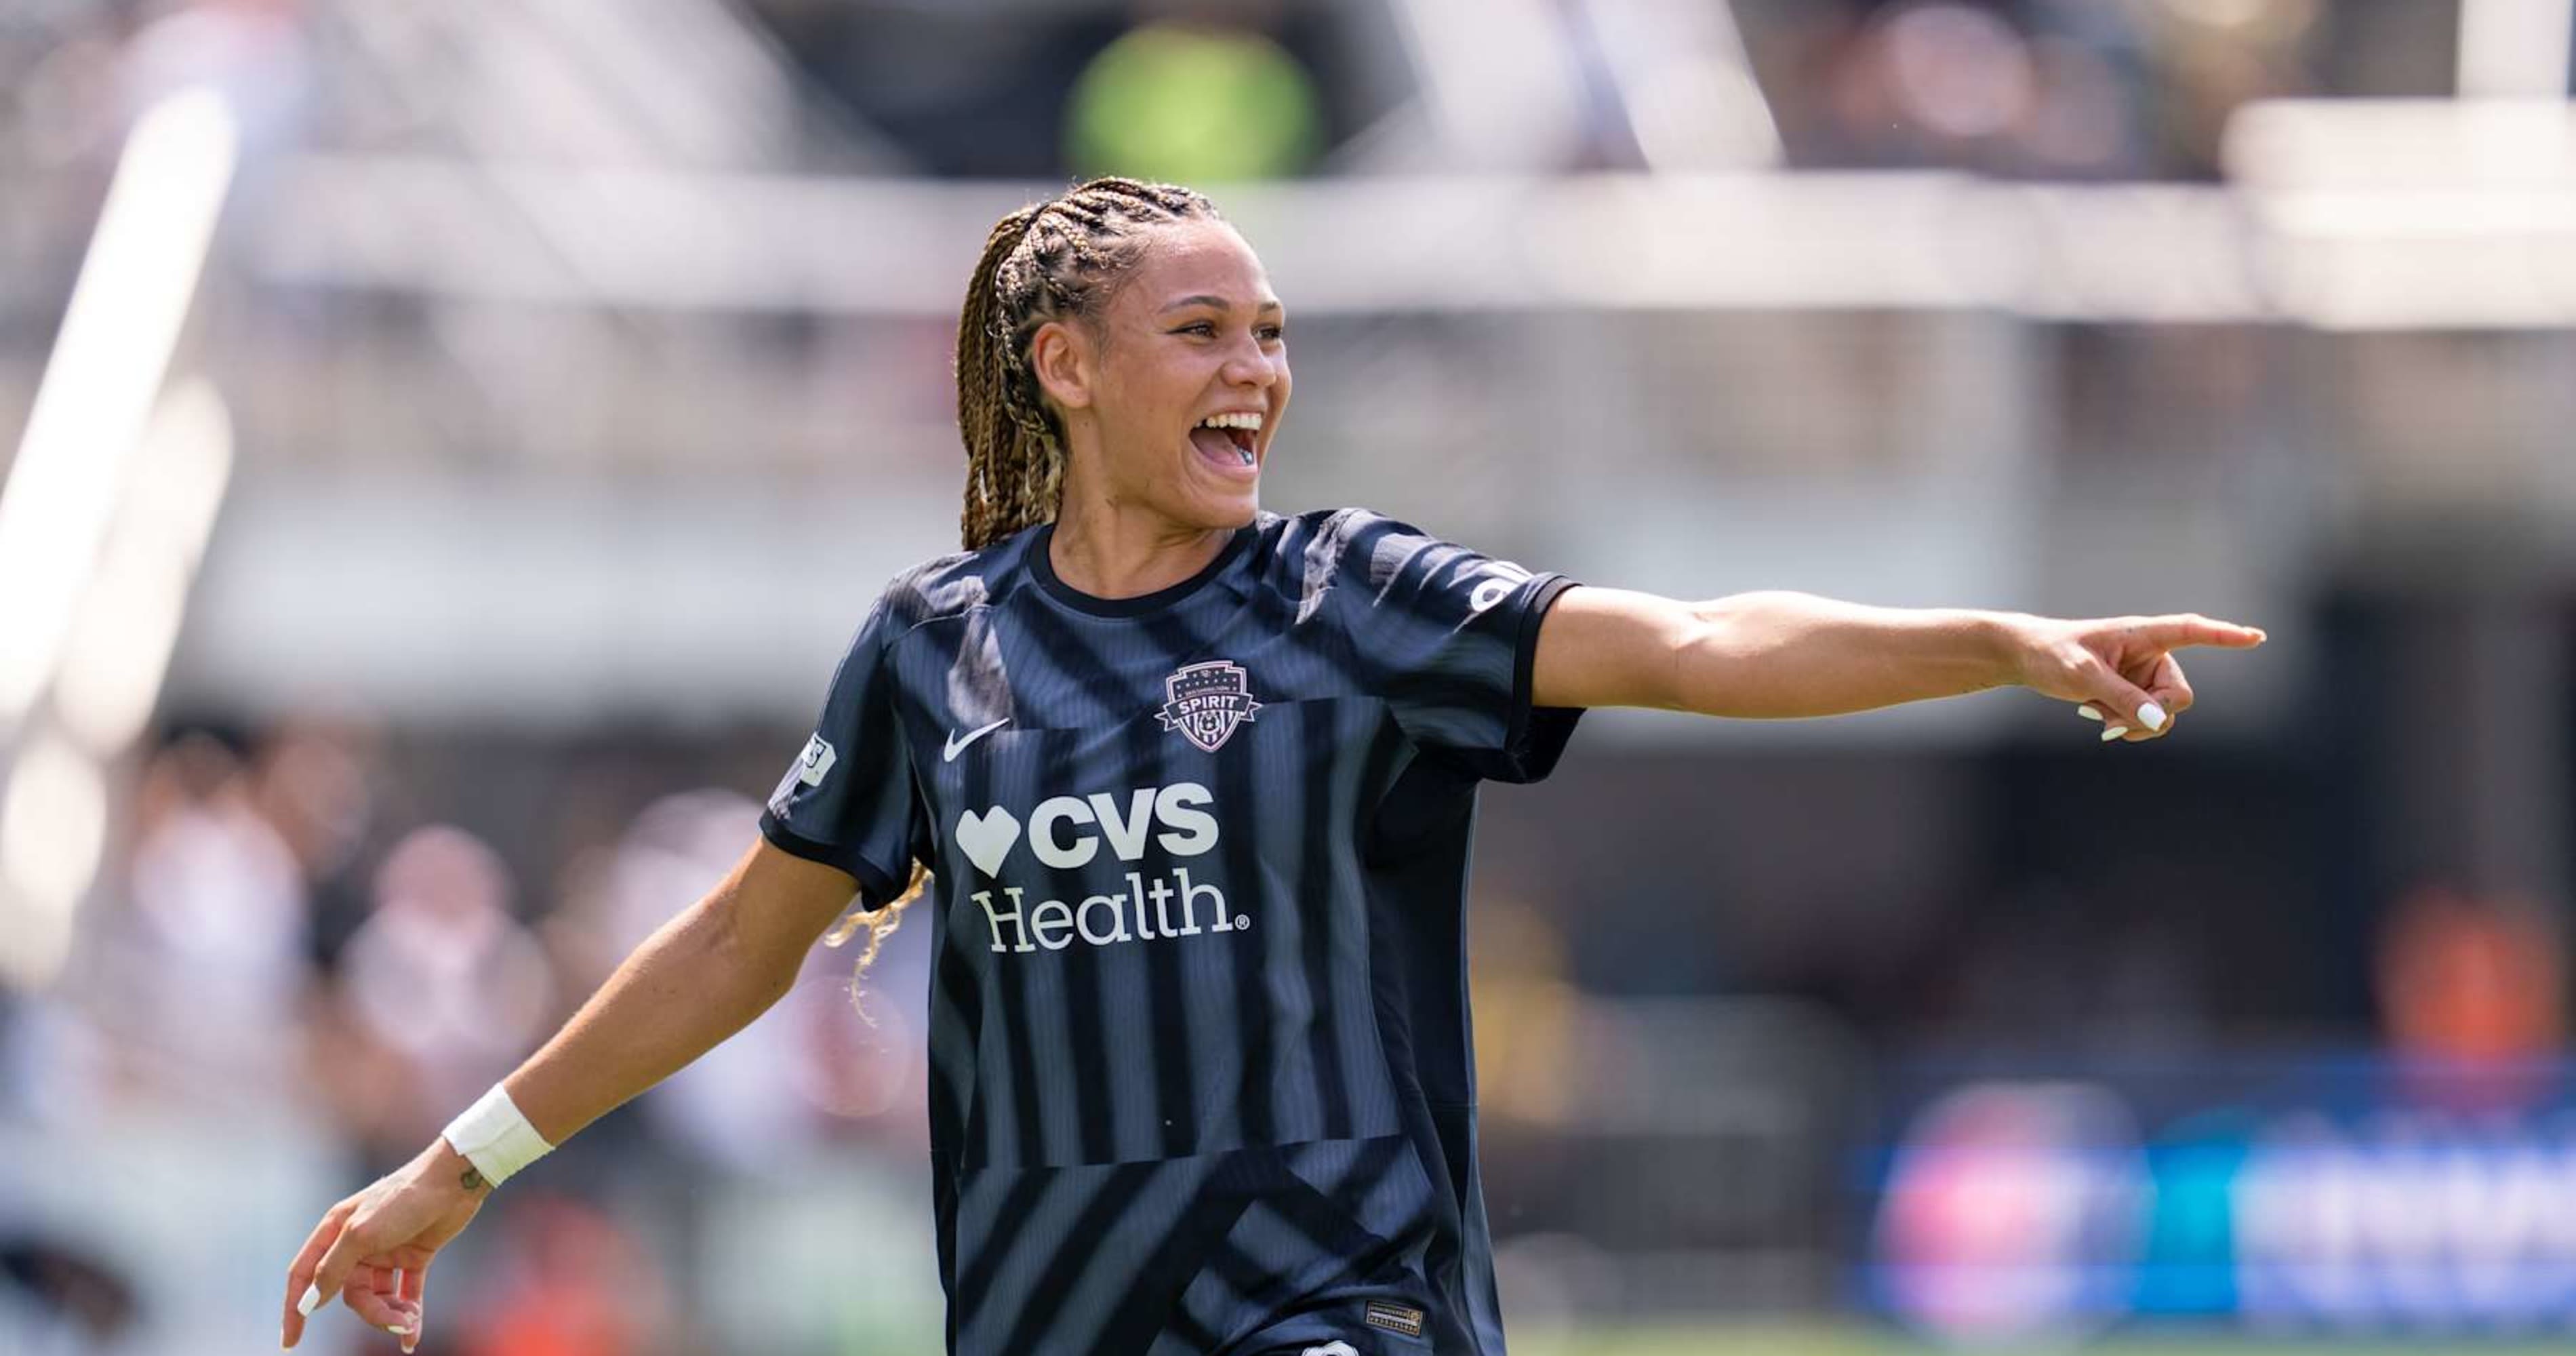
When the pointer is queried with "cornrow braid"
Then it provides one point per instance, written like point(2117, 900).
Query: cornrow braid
point(1056, 260)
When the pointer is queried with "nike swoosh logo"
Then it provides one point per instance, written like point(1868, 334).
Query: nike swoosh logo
point(957, 744)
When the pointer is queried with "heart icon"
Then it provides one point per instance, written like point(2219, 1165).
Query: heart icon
point(987, 837)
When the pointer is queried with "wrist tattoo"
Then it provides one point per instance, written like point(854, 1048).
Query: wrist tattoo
point(472, 1179)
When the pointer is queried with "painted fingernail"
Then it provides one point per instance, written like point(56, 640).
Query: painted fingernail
point(2089, 711)
point(312, 1300)
point(2152, 716)
point(2111, 732)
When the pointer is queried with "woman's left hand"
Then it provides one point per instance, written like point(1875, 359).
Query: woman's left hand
point(2121, 669)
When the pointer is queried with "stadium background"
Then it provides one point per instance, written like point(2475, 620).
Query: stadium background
point(450, 443)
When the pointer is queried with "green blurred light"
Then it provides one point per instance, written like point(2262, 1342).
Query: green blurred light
point(1193, 105)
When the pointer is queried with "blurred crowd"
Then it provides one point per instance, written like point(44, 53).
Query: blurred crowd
point(286, 930)
point(287, 883)
point(1225, 90)
point(2059, 89)
point(2081, 89)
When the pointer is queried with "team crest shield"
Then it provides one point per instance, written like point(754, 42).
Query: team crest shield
point(1207, 701)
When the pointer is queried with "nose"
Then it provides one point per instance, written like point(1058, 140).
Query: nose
point(1251, 365)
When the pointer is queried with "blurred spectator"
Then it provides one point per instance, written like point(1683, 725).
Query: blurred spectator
point(319, 784)
point(213, 943)
point(570, 1281)
point(2476, 982)
point(2038, 88)
point(58, 78)
point(446, 989)
point(57, 1297)
point(1528, 1013)
point(2080, 965)
point(779, 1084)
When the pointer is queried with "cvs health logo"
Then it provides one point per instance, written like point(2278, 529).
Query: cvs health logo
point(1065, 833)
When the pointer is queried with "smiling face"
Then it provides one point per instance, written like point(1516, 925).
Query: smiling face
point(1170, 396)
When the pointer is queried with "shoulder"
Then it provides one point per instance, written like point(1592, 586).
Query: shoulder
point(1343, 542)
point(953, 585)
point(1361, 548)
point(1333, 560)
point(1345, 526)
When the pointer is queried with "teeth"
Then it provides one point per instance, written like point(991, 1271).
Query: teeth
point(1248, 421)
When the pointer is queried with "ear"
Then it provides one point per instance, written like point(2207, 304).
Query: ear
point(1063, 356)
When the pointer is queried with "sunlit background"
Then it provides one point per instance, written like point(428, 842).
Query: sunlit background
point(448, 444)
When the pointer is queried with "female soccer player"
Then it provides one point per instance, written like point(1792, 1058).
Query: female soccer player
point(1194, 784)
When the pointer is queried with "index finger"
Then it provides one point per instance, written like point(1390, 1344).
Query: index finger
point(338, 1260)
point(308, 1259)
point(2173, 633)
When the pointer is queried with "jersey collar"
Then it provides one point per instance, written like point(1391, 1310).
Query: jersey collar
point(1044, 571)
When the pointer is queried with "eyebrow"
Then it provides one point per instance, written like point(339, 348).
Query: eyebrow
point(1216, 302)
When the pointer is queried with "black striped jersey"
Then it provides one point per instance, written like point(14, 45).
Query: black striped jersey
point(1200, 1073)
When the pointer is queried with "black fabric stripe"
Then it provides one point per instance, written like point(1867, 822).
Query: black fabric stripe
point(1253, 1015)
point(1163, 1278)
point(1075, 1253)
point(1326, 913)
point(1175, 1115)
point(956, 989)
point(1332, 1232)
point(956, 1001)
point(1010, 1003)
point(1378, 1158)
point(943, 1207)
point(1257, 1288)
point(1211, 1304)
point(975, 1285)
point(1322, 1095)
point(1271, 613)
point(1184, 1325)
point(1073, 685)
point(1085, 1030)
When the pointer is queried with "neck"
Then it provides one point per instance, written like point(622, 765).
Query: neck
point(1112, 550)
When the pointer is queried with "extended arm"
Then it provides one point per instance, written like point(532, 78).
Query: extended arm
point(1793, 654)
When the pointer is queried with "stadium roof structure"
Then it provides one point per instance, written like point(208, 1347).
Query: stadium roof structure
point(2426, 214)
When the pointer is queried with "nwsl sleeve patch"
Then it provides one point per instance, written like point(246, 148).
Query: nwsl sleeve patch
point(816, 761)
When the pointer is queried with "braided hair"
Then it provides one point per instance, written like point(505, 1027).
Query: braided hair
point(1056, 260)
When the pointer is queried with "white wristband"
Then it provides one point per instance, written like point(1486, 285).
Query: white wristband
point(496, 1138)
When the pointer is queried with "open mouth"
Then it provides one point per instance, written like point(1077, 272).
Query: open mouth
point(1228, 441)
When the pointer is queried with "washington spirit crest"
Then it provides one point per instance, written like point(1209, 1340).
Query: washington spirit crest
point(1207, 701)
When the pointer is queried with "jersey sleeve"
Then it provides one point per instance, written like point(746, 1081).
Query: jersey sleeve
point(1448, 638)
point(849, 800)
